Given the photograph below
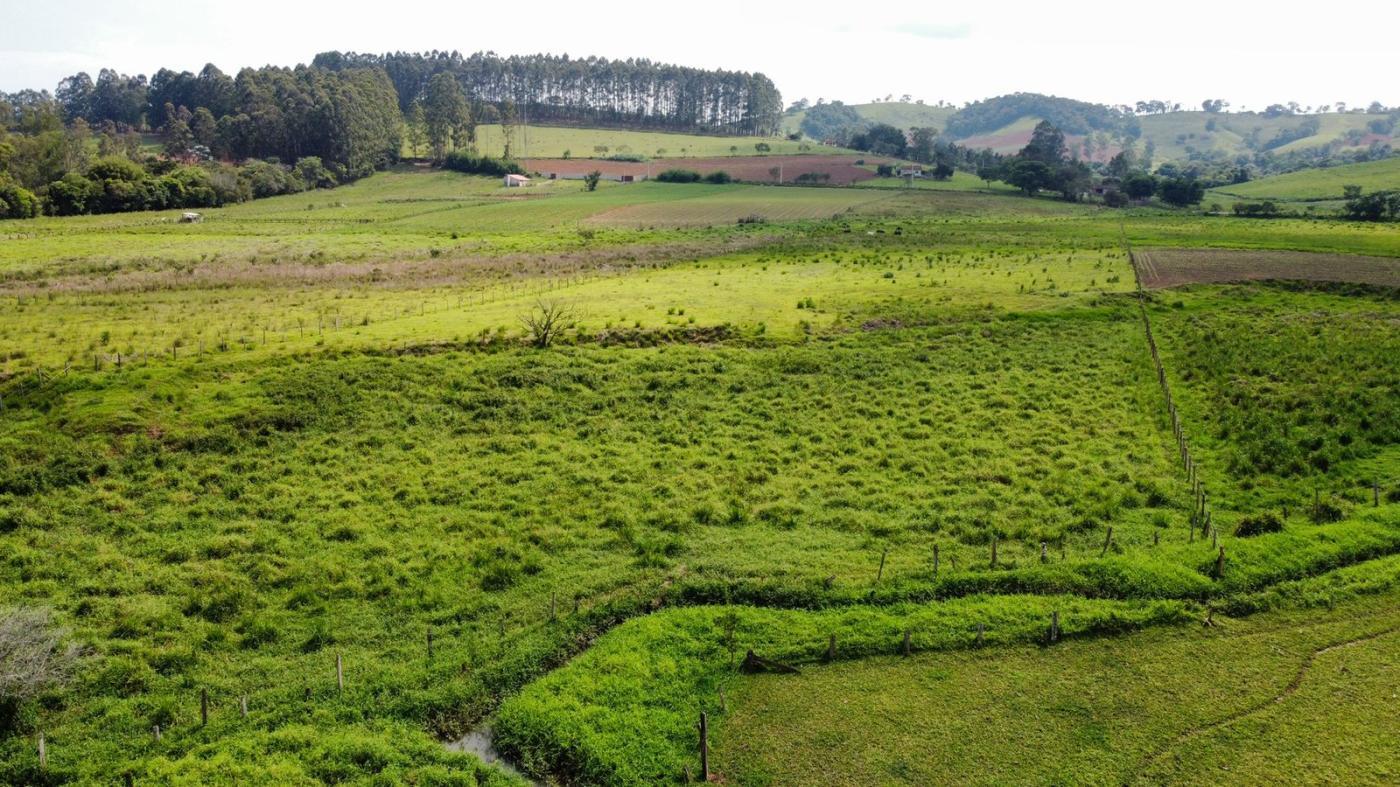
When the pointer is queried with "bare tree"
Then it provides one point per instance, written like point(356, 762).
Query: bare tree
point(33, 656)
point(546, 322)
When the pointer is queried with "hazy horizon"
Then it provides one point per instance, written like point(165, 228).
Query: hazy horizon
point(1094, 52)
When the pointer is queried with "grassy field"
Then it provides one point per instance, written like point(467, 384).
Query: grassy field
point(310, 429)
point(569, 142)
point(1286, 697)
point(1310, 185)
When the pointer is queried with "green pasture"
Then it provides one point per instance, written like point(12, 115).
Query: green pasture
point(529, 141)
point(960, 181)
point(1310, 185)
point(328, 438)
point(1145, 708)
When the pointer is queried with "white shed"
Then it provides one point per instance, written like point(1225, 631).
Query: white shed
point(515, 181)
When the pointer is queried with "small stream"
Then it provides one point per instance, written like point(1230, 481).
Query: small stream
point(481, 743)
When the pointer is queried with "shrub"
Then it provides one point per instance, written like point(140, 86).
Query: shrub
point(17, 202)
point(1324, 512)
point(33, 658)
point(679, 176)
point(473, 164)
point(718, 177)
point(1258, 525)
point(1257, 210)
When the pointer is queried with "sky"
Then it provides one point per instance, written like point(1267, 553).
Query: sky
point(1248, 53)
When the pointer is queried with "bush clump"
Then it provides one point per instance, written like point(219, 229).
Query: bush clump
point(474, 164)
point(1267, 522)
point(679, 176)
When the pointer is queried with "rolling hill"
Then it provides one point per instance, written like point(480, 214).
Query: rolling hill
point(1310, 185)
point(1175, 136)
point(895, 113)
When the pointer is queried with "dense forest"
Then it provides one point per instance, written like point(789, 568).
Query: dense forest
point(636, 93)
point(267, 131)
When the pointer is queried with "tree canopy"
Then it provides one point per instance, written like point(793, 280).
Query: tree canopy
point(1068, 115)
point(557, 88)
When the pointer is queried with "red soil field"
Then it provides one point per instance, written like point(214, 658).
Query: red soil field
point(1160, 268)
point(755, 169)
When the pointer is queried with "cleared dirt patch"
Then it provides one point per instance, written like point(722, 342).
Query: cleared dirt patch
point(834, 170)
point(1161, 268)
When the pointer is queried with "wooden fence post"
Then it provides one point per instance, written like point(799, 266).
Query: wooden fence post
point(430, 643)
point(881, 573)
point(704, 748)
point(552, 605)
point(155, 730)
point(339, 673)
point(203, 707)
point(831, 648)
point(43, 752)
point(243, 705)
point(1055, 625)
point(1044, 558)
point(994, 551)
point(935, 560)
point(1107, 541)
point(981, 629)
point(908, 647)
point(1220, 564)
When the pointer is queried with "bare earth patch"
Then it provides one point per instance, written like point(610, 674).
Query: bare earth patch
point(1162, 268)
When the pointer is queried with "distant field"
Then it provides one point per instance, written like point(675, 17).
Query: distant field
point(1175, 267)
point(1320, 184)
point(836, 170)
point(1176, 134)
point(1007, 139)
point(727, 207)
point(561, 141)
point(960, 181)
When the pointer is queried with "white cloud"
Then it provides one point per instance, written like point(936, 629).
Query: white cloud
point(934, 30)
point(1094, 50)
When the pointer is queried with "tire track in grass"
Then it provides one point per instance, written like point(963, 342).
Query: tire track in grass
point(1193, 733)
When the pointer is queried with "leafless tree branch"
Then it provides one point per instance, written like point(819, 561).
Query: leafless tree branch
point(33, 655)
point(546, 322)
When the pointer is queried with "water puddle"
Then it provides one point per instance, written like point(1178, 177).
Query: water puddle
point(481, 743)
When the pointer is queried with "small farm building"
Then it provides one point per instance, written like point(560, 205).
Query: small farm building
point(512, 181)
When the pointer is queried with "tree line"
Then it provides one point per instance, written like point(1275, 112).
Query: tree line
point(80, 150)
point(636, 93)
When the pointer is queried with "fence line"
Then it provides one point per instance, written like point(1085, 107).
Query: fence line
point(1201, 517)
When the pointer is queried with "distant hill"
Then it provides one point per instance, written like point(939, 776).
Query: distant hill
point(1177, 134)
point(896, 113)
point(1004, 124)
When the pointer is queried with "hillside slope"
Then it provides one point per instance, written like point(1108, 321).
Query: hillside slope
point(1321, 184)
point(1175, 136)
point(896, 113)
